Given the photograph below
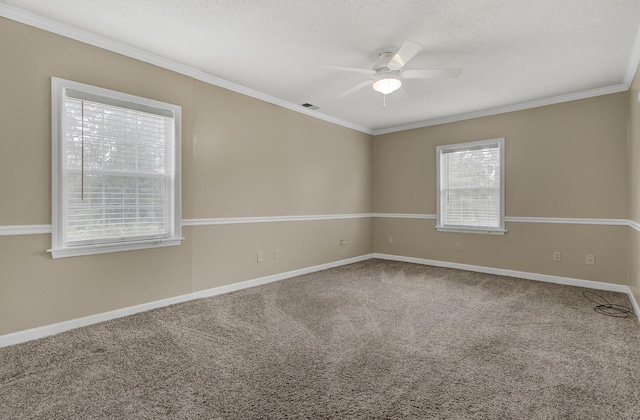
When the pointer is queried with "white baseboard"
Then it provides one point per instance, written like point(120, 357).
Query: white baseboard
point(277, 277)
point(634, 302)
point(47, 330)
point(569, 281)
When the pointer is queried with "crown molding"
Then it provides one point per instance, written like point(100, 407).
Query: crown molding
point(507, 108)
point(68, 31)
point(634, 60)
point(49, 25)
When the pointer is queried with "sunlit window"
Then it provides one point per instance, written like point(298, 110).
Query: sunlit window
point(471, 187)
point(116, 171)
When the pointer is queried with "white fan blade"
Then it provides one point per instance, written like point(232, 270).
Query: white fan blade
point(406, 53)
point(430, 73)
point(355, 88)
point(352, 69)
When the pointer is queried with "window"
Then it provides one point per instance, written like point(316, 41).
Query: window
point(116, 171)
point(470, 180)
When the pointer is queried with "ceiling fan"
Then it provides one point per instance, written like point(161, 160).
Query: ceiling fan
point(388, 71)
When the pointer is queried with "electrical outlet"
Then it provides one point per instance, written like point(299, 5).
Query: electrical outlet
point(591, 259)
point(276, 254)
point(390, 240)
point(458, 247)
point(343, 243)
point(557, 256)
point(260, 256)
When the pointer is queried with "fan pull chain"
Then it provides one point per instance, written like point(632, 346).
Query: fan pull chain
point(384, 100)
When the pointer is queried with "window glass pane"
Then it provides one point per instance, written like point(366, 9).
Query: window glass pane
point(117, 172)
point(470, 190)
point(116, 207)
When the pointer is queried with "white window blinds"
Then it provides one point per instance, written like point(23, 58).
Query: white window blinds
point(117, 172)
point(471, 186)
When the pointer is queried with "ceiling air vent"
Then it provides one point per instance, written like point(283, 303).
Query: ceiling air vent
point(308, 105)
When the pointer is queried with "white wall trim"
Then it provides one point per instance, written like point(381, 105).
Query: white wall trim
point(621, 87)
point(634, 225)
point(47, 330)
point(14, 230)
point(568, 281)
point(568, 221)
point(634, 302)
point(31, 19)
point(634, 60)
point(277, 277)
point(405, 216)
point(269, 219)
point(515, 219)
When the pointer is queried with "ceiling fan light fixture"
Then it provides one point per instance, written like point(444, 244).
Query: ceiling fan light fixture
point(387, 85)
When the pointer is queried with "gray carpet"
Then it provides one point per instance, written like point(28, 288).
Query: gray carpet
point(376, 339)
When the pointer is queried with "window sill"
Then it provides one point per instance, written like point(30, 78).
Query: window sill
point(460, 229)
point(77, 251)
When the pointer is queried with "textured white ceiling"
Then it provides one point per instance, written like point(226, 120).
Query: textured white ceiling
point(510, 51)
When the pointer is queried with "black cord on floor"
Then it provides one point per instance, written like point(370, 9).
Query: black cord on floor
point(604, 307)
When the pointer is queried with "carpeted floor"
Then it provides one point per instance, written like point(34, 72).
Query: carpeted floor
point(376, 339)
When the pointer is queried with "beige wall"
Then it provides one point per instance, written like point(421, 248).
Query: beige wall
point(562, 161)
point(250, 158)
point(241, 157)
point(634, 185)
point(219, 262)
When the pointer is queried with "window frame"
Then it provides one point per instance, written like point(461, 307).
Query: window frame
point(59, 247)
point(440, 226)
